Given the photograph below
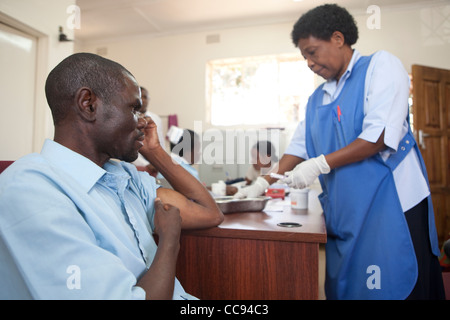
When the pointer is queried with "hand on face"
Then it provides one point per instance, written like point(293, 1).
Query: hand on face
point(151, 140)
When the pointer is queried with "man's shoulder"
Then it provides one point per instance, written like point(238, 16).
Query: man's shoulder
point(31, 164)
point(25, 187)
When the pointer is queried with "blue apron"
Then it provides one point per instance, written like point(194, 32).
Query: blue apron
point(369, 251)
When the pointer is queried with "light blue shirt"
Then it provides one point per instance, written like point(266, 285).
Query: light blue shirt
point(386, 95)
point(72, 230)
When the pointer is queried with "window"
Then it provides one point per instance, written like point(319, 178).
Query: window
point(264, 90)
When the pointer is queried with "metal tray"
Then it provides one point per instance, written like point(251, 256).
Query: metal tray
point(230, 205)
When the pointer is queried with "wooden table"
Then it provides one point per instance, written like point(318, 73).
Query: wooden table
point(249, 257)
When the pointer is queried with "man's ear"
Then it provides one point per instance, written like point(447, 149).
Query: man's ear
point(87, 103)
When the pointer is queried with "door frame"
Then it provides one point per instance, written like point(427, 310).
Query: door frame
point(41, 110)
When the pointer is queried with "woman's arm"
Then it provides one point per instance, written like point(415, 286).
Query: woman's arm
point(287, 163)
point(354, 152)
point(308, 171)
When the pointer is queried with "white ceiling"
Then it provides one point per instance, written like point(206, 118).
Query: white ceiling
point(105, 19)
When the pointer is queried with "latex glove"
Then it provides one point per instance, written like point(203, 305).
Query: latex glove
point(256, 189)
point(306, 172)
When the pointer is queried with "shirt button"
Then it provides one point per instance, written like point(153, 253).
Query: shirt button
point(403, 148)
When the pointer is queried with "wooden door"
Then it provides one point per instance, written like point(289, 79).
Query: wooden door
point(431, 103)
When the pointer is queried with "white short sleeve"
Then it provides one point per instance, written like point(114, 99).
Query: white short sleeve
point(386, 100)
point(297, 146)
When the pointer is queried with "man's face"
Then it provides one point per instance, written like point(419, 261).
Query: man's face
point(120, 131)
point(324, 57)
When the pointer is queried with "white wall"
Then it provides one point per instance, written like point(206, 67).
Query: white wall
point(173, 67)
point(418, 35)
point(40, 18)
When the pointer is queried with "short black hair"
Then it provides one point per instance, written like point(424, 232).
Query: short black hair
point(322, 21)
point(103, 76)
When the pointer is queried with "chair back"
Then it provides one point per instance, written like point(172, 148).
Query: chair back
point(4, 165)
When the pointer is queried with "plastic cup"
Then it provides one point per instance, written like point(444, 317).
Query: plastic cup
point(299, 198)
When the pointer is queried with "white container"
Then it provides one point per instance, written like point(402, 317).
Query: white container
point(299, 198)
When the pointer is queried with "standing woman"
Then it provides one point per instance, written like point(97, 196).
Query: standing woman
point(382, 241)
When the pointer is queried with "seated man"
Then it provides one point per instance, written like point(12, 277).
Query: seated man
point(75, 224)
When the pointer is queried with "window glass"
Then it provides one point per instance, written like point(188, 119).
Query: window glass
point(264, 90)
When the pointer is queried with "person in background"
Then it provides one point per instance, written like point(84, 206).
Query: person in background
point(186, 151)
point(382, 239)
point(85, 227)
point(141, 162)
point(263, 158)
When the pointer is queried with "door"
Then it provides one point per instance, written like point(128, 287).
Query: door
point(17, 92)
point(431, 103)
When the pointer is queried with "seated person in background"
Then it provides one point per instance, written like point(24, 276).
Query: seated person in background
point(263, 158)
point(186, 151)
point(75, 224)
point(141, 163)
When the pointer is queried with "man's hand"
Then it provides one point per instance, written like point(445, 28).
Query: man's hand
point(158, 281)
point(167, 222)
point(306, 172)
point(151, 136)
point(196, 206)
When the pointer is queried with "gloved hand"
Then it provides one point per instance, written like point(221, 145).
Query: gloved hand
point(306, 172)
point(255, 190)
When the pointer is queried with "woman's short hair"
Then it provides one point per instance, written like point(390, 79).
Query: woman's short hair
point(322, 21)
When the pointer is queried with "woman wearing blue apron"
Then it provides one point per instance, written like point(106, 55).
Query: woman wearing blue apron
point(382, 241)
